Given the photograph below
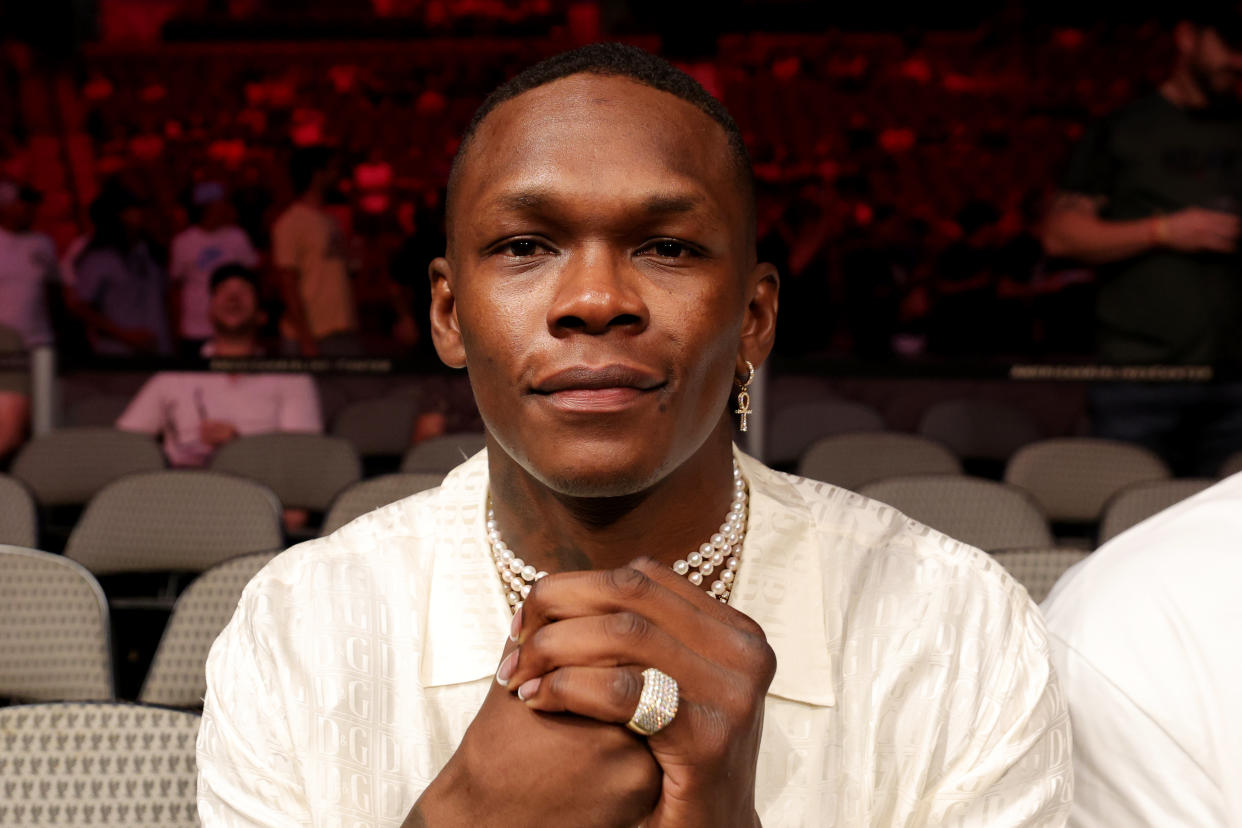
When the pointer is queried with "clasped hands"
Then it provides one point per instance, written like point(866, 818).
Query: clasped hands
point(550, 747)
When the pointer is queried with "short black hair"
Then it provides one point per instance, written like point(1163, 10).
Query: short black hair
point(234, 271)
point(614, 60)
point(304, 162)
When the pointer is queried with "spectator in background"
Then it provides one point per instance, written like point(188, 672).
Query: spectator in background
point(196, 413)
point(1144, 637)
point(28, 272)
point(119, 291)
point(211, 241)
point(308, 250)
point(1152, 198)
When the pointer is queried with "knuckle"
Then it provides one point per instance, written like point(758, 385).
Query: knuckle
point(628, 584)
point(556, 684)
point(623, 688)
point(626, 626)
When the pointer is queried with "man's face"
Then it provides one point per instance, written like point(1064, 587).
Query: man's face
point(600, 283)
point(234, 307)
point(1216, 66)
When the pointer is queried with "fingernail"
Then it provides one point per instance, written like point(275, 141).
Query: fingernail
point(506, 668)
point(515, 628)
point(529, 688)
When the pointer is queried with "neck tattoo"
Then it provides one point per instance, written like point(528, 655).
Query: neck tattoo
point(723, 551)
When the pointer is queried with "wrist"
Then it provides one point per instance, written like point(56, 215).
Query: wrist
point(1158, 230)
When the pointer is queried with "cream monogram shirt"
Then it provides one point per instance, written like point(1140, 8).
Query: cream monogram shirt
point(913, 685)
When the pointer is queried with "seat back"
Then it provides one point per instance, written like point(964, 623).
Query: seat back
point(368, 495)
point(983, 513)
point(74, 764)
point(1038, 569)
point(1073, 477)
point(19, 517)
point(175, 521)
point(54, 631)
point(380, 426)
point(854, 460)
point(306, 471)
point(795, 427)
point(178, 672)
point(443, 454)
point(1139, 501)
point(69, 465)
point(982, 429)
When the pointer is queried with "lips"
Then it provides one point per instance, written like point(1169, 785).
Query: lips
point(602, 388)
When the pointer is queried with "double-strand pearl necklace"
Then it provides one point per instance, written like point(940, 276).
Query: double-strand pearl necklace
point(723, 552)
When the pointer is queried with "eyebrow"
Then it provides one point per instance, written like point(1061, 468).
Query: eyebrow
point(658, 204)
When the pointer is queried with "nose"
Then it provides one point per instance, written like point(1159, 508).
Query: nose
point(597, 292)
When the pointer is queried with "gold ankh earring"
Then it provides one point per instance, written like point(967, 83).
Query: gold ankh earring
point(743, 396)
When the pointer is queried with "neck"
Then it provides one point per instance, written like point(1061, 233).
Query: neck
point(1183, 91)
point(667, 521)
point(233, 345)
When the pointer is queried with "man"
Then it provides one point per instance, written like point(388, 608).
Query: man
point(28, 273)
point(213, 240)
point(196, 413)
point(1145, 637)
point(308, 250)
point(1152, 197)
point(844, 666)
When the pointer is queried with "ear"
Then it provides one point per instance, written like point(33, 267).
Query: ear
point(445, 329)
point(759, 322)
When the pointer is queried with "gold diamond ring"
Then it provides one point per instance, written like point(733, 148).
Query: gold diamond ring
point(657, 704)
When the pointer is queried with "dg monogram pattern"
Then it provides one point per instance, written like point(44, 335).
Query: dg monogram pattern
point(176, 677)
point(102, 764)
point(53, 629)
point(913, 687)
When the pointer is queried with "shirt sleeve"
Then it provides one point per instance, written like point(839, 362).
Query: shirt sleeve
point(145, 412)
point(246, 254)
point(1014, 768)
point(299, 406)
point(248, 772)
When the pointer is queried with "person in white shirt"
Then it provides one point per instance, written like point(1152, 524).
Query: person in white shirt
point(1145, 635)
point(211, 241)
point(197, 412)
point(717, 644)
point(28, 272)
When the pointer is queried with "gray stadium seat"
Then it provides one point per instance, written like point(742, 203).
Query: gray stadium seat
point(1073, 477)
point(74, 764)
point(306, 471)
point(69, 465)
point(983, 513)
point(19, 517)
point(368, 495)
point(177, 676)
point(854, 460)
point(175, 521)
point(979, 429)
point(443, 454)
point(54, 633)
point(1038, 569)
point(1139, 501)
point(380, 426)
point(794, 427)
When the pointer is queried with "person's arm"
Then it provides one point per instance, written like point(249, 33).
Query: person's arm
point(1075, 230)
point(90, 281)
point(145, 413)
point(14, 420)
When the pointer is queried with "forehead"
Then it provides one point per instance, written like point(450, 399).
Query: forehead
point(585, 130)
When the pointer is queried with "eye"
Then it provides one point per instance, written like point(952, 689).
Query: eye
point(520, 248)
point(669, 249)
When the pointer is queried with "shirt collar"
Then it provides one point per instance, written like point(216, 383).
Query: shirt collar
point(778, 543)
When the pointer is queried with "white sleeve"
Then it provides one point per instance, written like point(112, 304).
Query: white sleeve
point(299, 406)
point(1128, 770)
point(145, 412)
point(1015, 767)
point(248, 769)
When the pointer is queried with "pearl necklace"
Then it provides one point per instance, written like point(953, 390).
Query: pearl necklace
point(722, 551)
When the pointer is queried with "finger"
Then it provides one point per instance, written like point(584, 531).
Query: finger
point(610, 641)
